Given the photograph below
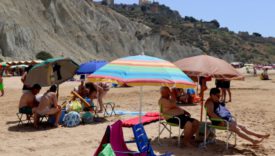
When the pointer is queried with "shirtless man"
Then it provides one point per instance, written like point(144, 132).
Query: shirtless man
point(28, 101)
point(48, 106)
point(168, 104)
point(213, 102)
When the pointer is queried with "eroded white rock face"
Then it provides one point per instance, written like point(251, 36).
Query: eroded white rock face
point(77, 29)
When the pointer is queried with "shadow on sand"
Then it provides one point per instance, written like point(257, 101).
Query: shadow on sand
point(28, 127)
point(215, 149)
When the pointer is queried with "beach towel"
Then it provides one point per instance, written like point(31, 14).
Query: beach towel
point(107, 151)
point(224, 113)
point(146, 119)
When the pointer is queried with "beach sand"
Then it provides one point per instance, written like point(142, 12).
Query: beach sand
point(253, 105)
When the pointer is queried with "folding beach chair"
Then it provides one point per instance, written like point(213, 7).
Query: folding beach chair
point(224, 128)
point(110, 105)
point(21, 120)
point(142, 141)
point(168, 126)
point(114, 136)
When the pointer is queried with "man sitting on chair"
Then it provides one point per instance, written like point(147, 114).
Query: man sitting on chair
point(217, 110)
point(28, 101)
point(169, 107)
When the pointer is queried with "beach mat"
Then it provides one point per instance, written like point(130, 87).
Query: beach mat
point(145, 119)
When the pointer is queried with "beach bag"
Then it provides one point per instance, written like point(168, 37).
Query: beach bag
point(71, 119)
point(87, 118)
point(107, 150)
point(75, 106)
point(224, 113)
point(51, 119)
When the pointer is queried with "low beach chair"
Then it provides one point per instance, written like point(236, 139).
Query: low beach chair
point(21, 120)
point(110, 105)
point(114, 136)
point(142, 141)
point(223, 128)
point(168, 126)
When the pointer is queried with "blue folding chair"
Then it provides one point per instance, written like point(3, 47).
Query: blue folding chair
point(142, 141)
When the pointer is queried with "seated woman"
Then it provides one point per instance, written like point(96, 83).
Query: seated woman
point(168, 104)
point(48, 106)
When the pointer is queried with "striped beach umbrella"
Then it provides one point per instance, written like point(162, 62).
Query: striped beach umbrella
point(142, 70)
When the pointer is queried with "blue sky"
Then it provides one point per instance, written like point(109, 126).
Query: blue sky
point(237, 15)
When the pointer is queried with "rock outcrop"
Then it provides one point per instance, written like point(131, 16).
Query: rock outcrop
point(78, 29)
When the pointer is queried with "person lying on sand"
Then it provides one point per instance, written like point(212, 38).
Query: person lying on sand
point(169, 107)
point(48, 106)
point(28, 103)
point(215, 109)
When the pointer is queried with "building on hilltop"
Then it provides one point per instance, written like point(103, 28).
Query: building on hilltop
point(144, 2)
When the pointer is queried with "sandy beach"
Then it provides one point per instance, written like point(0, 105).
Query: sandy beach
point(253, 105)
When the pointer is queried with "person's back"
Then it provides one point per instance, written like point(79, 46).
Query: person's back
point(48, 106)
point(47, 100)
point(27, 100)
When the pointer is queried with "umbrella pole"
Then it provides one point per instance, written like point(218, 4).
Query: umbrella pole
point(140, 103)
point(202, 96)
point(57, 95)
point(198, 84)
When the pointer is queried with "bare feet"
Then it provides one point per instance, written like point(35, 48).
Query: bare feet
point(264, 136)
point(56, 125)
point(189, 145)
point(256, 142)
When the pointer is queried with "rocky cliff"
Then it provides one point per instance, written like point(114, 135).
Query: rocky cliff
point(78, 29)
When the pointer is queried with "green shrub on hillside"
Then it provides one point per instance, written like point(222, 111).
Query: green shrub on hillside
point(43, 55)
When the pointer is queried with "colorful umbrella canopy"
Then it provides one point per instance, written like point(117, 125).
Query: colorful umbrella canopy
point(142, 70)
point(90, 67)
point(51, 71)
point(208, 66)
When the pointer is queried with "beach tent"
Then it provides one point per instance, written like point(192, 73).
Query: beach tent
point(142, 70)
point(208, 66)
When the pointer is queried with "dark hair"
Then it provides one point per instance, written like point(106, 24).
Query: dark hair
point(28, 68)
point(91, 87)
point(36, 86)
point(53, 88)
point(214, 91)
